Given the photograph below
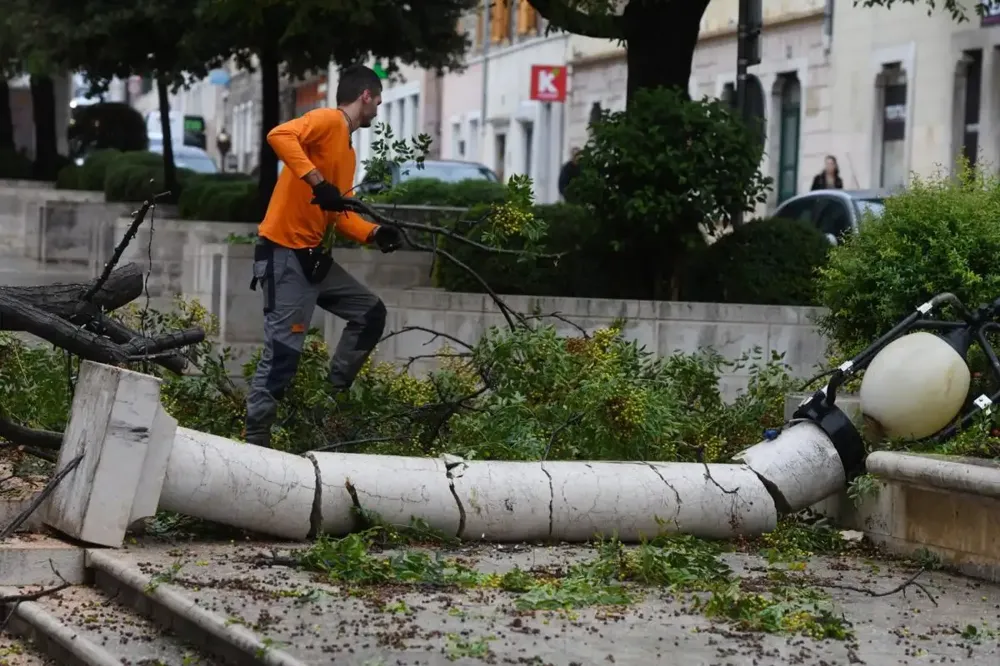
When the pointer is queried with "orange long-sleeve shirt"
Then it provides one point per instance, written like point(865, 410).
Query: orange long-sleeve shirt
point(320, 139)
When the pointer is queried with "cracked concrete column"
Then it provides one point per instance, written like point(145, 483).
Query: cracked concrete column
point(800, 467)
point(118, 426)
point(237, 484)
point(636, 500)
point(396, 488)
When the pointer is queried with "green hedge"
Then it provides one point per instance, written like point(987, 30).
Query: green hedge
point(767, 262)
point(572, 274)
point(15, 165)
point(431, 192)
point(137, 175)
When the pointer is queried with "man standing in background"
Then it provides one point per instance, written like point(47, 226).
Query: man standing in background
point(569, 171)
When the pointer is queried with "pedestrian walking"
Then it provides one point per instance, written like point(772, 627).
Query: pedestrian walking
point(295, 272)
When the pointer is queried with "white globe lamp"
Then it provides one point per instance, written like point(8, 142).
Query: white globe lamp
point(914, 387)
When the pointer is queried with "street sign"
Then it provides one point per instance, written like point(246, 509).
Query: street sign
point(548, 83)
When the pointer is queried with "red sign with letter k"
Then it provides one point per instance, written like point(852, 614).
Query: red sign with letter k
point(548, 83)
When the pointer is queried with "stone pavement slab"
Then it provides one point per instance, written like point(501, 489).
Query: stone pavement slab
point(17, 652)
point(321, 623)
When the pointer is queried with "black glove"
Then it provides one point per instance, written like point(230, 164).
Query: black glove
point(327, 197)
point(388, 239)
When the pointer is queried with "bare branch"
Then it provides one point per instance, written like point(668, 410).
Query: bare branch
point(42, 496)
point(912, 580)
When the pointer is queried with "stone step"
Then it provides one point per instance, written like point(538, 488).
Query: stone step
point(102, 630)
point(114, 613)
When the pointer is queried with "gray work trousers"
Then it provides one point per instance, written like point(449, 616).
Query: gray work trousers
point(289, 302)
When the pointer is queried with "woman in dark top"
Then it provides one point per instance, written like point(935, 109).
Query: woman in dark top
point(829, 178)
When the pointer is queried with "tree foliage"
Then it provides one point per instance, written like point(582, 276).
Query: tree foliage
point(655, 175)
point(302, 36)
point(959, 9)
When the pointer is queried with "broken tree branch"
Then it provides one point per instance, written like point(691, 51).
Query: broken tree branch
point(912, 580)
point(28, 437)
point(65, 300)
point(137, 219)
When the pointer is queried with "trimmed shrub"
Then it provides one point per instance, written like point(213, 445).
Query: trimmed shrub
point(568, 227)
point(136, 176)
point(766, 262)
point(941, 234)
point(95, 168)
point(199, 192)
point(107, 125)
point(15, 165)
point(68, 178)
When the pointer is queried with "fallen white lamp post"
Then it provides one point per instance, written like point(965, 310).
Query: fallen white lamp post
point(136, 460)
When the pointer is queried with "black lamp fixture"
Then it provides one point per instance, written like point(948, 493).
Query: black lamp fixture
point(916, 384)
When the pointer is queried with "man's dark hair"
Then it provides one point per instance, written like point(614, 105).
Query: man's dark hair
point(354, 81)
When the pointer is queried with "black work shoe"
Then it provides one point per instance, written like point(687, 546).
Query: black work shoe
point(262, 439)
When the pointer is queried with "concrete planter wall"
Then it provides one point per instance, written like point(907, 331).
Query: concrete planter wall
point(944, 505)
point(662, 327)
point(39, 221)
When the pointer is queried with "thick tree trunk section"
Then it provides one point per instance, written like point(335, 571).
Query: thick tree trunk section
point(43, 111)
point(6, 118)
point(660, 40)
point(64, 300)
point(169, 169)
point(270, 117)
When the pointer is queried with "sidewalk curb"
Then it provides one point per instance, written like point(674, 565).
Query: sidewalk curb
point(54, 637)
point(167, 606)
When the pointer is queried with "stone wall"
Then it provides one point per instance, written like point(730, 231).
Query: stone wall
point(661, 327)
point(28, 209)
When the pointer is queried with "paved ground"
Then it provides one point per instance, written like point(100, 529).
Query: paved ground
point(15, 652)
point(319, 624)
point(25, 272)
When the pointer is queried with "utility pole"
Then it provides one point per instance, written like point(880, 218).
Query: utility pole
point(751, 19)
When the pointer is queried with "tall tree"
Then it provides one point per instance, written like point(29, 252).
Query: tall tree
point(302, 36)
point(23, 51)
point(659, 35)
point(157, 38)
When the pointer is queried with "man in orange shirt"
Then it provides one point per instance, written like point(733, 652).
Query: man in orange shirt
point(296, 273)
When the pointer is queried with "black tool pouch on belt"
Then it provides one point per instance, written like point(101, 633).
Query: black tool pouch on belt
point(264, 251)
point(315, 262)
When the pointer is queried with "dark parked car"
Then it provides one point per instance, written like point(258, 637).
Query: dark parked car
point(449, 171)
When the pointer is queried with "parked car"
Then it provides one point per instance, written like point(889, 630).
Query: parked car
point(834, 212)
point(449, 171)
point(186, 157)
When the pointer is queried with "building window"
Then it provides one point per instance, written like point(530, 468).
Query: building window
point(477, 42)
point(461, 148)
point(500, 21)
point(529, 139)
point(527, 19)
point(973, 84)
point(892, 172)
point(474, 139)
point(414, 115)
point(501, 154)
point(788, 160)
point(456, 139)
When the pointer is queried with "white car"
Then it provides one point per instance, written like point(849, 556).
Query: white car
point(186, 157)
point(834, 212)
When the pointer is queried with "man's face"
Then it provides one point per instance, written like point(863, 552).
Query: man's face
point(370, 101)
